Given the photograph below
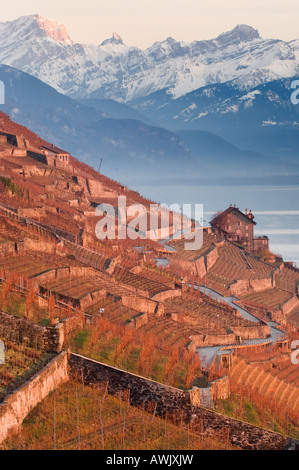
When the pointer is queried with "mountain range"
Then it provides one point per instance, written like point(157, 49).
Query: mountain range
point(113, 70)
point(128, 146)
point(262, 119)
point(220, 105)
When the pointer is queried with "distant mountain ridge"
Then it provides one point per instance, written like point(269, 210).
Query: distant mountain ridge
point(112, 70)
point(126, 145)
point(216, 107)
point(262, 119)
point(96, 129)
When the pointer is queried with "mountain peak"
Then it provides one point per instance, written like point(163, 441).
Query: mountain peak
point(241, 33)
point(53, 29)
point(115, 39)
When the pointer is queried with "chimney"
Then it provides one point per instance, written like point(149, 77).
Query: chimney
point(250, 215)
point(246, 211)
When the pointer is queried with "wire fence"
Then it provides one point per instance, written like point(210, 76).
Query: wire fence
point(20, 359)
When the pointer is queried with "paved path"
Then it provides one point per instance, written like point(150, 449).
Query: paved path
point(207, 354)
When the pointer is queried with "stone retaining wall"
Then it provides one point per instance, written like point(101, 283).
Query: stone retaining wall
point(252, 332)
point(49, 339)
point(289, 305)
point(8, 248)
point(200, 265)
point(18, 404)
point(141, 304)
point(201, 340)
point(177, 404)
point(21, 329)
point(242, 286)
point(211, 258)
point(143, 392)
point(220, 389)
point(167, 294)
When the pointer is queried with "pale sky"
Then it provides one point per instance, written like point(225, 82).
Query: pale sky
point(141, 22)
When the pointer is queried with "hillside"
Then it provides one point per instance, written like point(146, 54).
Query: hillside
point(92, 134)
point(105, 423)
point(236, 86)
point(259, 119)
point(182, 324)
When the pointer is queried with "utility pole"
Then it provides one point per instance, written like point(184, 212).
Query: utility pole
point(100, 165)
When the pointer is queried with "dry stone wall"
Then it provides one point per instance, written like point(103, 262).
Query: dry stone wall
point(20, 329)
point(141, 304)
point(143, 392)
point(8, 248)
point(178, 404)
point(211, 258)
point(17, 405)
point(242, 286)
point(220, 388)
point(201, 269)
point(49, 339)
point(289, 305)
point(239, 433)
point(252, 332)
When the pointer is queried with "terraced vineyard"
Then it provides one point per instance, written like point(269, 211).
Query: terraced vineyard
point(88, 257)
point(234, 264)
point(209, 316)
point(87, 418)
point(74, 287)
point(274, 386)
point(114, 311)
point(24, 265)
point(285, 371)
point(152, 287)
point(32, 265)
point(293, 317)
point(191, 255)
point(170, 333)
point(116, 306)
point(21, 362)
point(269, 298)
point(287, 279)
point(77, 287)
point(158, 277)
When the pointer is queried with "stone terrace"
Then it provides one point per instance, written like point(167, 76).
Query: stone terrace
point(235, 264)
point(287, 279)
point(272, 299)
point(31, 265)
point(191, 255)
point(208, 315)
point(149, 286)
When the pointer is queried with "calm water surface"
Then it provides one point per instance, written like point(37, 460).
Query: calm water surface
point(276, 208)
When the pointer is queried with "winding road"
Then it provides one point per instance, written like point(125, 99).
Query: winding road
point(208, 353)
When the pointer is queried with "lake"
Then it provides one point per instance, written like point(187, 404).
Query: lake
point(275, 208)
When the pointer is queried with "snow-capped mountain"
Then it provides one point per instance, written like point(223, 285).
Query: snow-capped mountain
point(113, 70)
point(261, 119)
point(139, 151)
point(128, 146)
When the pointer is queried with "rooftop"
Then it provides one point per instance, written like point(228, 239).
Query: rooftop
point(247, 216)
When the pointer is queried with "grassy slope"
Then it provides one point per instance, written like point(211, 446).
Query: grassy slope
point(82, 417)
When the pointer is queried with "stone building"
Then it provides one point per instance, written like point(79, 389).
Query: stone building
point(238, 227)
point(57, 154)
point(261, 243)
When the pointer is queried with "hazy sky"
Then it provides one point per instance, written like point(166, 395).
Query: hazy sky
point(141, 22)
